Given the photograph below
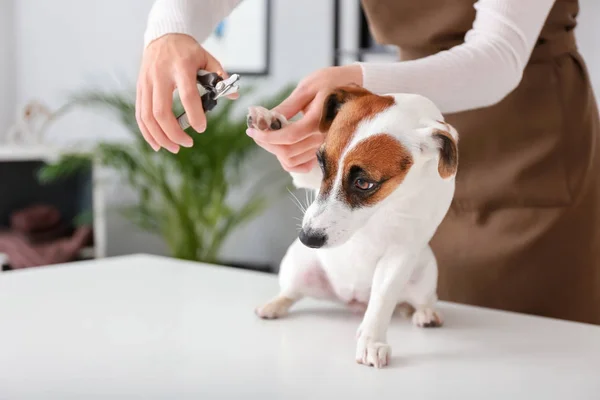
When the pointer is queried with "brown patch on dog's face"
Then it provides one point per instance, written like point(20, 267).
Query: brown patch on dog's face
point(373, 170)
point(335, 100)
point(343, 110)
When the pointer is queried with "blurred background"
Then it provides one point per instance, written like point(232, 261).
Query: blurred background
point(76, 181)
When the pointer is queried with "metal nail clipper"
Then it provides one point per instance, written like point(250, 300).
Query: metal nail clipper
point(215, 87)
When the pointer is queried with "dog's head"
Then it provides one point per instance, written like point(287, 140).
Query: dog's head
point(376, 150)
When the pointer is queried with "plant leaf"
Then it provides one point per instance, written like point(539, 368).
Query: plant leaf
point(65, 167)
point(183, 196)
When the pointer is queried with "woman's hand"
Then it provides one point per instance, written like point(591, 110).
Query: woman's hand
point(296, 144)
point(171, 61)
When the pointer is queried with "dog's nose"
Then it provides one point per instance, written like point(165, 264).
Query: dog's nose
point(312, 239)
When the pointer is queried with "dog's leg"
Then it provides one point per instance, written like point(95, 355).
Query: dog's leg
point(405, 310)
point(277, 307)
point(266, 120)
point(300, 275)
point(391, 277)
point(427, 317)
point(422, 292)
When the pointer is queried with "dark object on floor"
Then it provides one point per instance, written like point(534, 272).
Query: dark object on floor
point(23, 254)
point(58, 231)
point(37, 236)
point(35, 218)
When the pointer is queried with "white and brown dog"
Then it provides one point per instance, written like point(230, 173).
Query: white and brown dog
point(385, 181)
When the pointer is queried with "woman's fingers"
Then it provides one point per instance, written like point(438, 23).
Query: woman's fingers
point(302, 168)
point(191, 100)
point(295, 163)
point(294, 132)
point(162, 108)
point(150, 122)
point(313, 141)
point(290, 134)
point(297, 101)
point(172, 61)
point(295, 145)
point(294, 156)
point(138, 116)
point(211, 64)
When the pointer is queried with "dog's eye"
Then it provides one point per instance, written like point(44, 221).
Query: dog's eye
point(363, 184)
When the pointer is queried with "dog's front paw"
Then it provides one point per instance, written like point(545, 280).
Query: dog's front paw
point(274, 309)
point(372, 353)
point(427, 318)
point(264, 120)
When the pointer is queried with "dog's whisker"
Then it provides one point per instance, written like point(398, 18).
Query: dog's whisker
point(299, 204)
point(299, 207)
point(309, 198)
point(297, 201)
point(293, 196)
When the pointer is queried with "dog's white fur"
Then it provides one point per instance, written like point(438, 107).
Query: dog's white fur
point(378, 256)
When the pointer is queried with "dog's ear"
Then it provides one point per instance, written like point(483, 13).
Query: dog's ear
point(447, 144)
point(334, 101)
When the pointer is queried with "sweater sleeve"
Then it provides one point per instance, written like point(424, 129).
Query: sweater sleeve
point(196, 18)
point(478, 73)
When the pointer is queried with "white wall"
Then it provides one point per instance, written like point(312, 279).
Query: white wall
point(64, 45)
point(588, 38)
point(7, 85)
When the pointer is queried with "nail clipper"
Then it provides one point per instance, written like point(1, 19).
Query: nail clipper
point(215, 87)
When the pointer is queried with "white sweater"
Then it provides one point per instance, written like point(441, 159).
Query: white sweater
point(478, 73)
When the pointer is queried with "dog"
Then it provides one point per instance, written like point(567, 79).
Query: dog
point(384, 182)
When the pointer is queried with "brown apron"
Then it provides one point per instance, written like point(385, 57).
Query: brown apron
point(523, 233)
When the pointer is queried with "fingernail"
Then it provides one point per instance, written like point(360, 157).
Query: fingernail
point(188, 143)
point(250, 132)
point(174, 149)
point(155, 147)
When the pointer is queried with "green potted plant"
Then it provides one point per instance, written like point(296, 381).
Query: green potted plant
point(182, 197)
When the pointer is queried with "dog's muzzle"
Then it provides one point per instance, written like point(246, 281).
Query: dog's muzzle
point(313, 239)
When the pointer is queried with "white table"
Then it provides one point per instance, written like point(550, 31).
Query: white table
point(144, 327)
